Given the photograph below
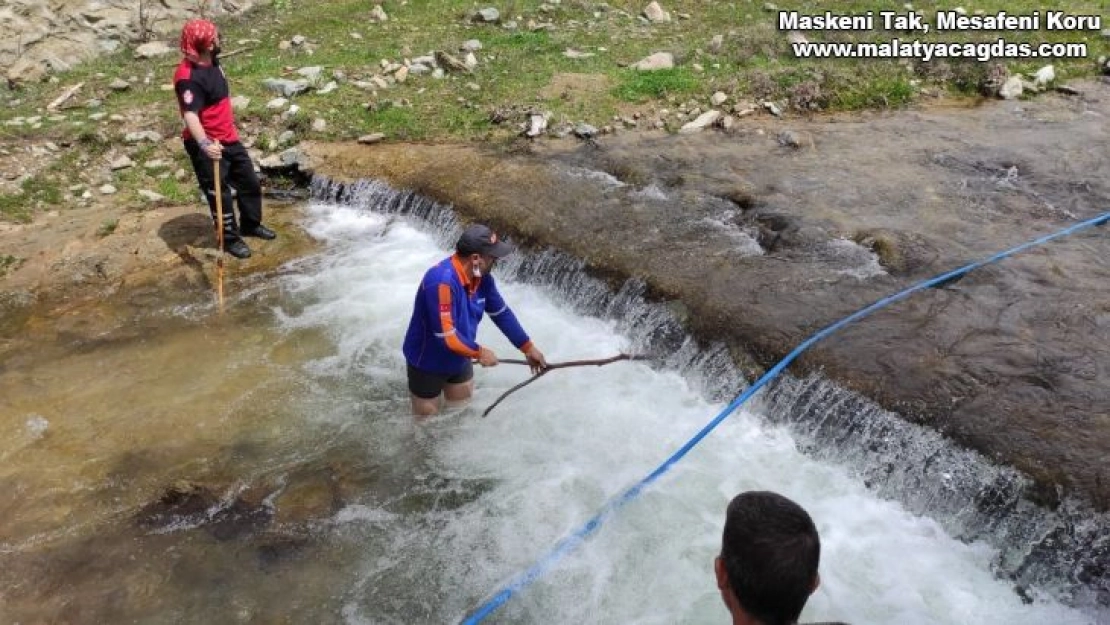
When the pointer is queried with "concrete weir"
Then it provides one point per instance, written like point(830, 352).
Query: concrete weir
point(761, 245)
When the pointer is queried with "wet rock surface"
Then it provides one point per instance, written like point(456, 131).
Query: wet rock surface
point(765, 243)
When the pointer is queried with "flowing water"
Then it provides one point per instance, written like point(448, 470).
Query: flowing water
point(262, 466)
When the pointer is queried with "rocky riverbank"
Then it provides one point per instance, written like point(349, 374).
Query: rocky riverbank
point(770, 234)
point(764, 232)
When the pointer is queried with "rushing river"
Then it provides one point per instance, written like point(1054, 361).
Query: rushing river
point(263, 467)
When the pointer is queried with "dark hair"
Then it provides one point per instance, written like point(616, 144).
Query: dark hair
point(770, 550)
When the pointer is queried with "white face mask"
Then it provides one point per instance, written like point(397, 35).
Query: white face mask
point(476, 271)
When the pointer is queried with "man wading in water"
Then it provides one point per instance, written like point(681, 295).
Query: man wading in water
point(440, 344)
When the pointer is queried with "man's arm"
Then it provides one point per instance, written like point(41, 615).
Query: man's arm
point(507, 322)
point(191, 102)
point(439, 302)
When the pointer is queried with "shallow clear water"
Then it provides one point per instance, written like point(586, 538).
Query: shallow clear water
point(292, 410)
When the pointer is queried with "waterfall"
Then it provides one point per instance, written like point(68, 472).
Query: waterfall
point(1065, 551)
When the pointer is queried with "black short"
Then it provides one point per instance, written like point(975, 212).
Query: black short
point(428, 385)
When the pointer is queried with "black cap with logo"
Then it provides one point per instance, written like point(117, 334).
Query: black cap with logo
point(479, 239)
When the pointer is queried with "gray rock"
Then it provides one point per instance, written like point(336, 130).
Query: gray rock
point(537, 124)
point(287, 88)
point(142, 135)
point(1012, 88)
point(372, 138)
point(585, 131)
point(152, 49)
point(790, 139)
point(119, 84)
point(293, 157)
point(450, 63)
point(122, 162)
point(57, 35)
point(1044, 76)
point(377, 14)
point(311, 74)
point(702, 122)
point(151, 196)
point(655, 13)
point(656, 61)
point(472, 45)
point(488, 15)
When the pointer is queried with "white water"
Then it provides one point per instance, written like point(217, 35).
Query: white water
point(504, 489)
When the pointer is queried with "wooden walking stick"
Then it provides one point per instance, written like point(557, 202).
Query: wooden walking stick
point(557, 365)
point(219, 233)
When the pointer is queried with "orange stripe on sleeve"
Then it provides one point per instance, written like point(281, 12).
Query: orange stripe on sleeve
point(447, 322)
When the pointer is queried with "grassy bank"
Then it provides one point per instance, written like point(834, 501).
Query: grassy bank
point(568, 57)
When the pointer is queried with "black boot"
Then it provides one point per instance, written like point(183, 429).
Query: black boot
point(239, 249)
point(260, 231)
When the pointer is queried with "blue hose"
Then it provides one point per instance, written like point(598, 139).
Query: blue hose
point(564, 546)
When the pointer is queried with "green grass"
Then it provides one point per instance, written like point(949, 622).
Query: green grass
point(177, 192)
point(9, 263)
point(636, 86)
point(107, 227)
point(37, 192)
point(14, 207)
point(517, 69)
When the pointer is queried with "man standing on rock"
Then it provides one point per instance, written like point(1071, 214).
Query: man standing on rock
point(440, 345)
point(210, 136)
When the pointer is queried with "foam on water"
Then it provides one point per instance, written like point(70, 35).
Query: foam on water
point(510, 485)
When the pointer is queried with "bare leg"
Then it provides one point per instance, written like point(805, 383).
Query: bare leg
point(424, 407)
point(458, 395)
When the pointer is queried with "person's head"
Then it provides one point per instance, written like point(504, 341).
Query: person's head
point(479, 247)
point(769, 557)
point(200, 39)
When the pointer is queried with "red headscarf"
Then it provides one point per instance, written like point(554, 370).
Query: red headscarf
point(196, 37)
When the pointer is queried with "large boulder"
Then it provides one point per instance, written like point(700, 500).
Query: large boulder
point(55, 36)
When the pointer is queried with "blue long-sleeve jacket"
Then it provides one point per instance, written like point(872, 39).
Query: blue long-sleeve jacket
point(449, 306)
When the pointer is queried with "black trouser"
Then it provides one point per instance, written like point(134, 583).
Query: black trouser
point(236, 171)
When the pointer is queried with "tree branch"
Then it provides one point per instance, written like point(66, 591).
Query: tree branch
point(557, 365)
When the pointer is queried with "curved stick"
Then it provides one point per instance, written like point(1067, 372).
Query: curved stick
point(557, 365)
point(518, 386)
